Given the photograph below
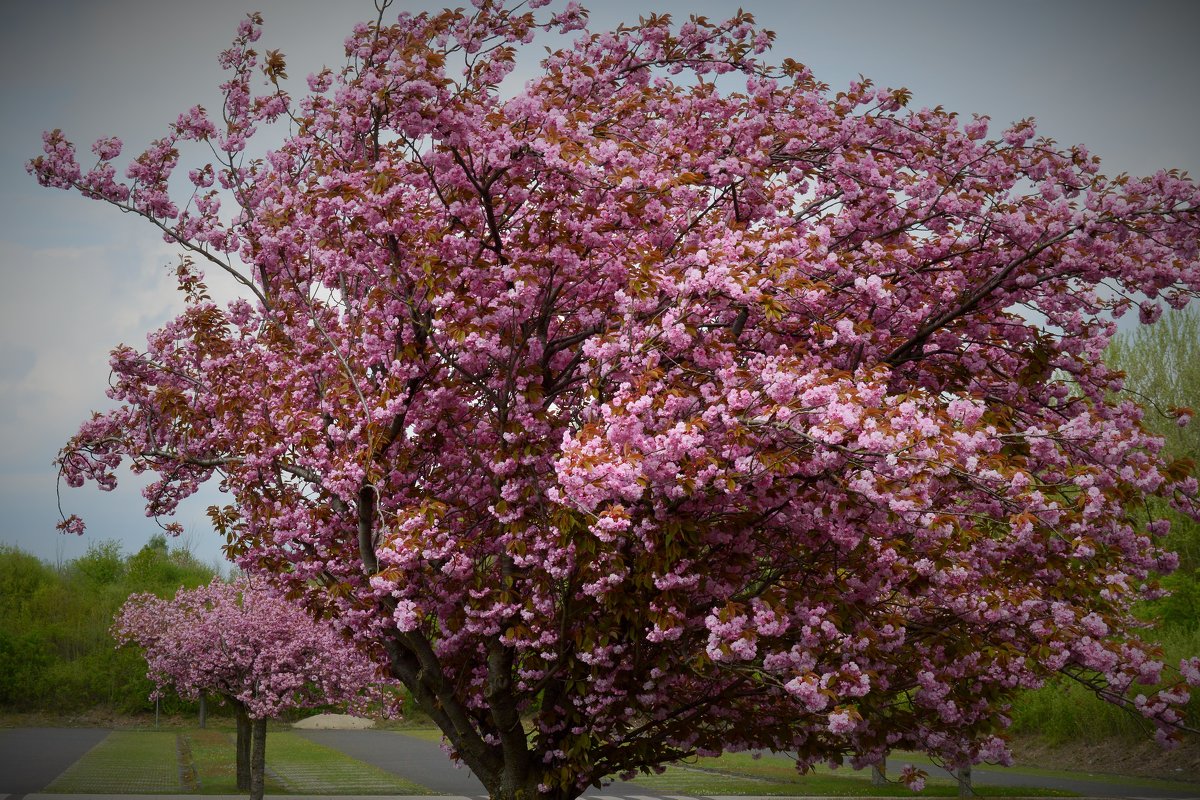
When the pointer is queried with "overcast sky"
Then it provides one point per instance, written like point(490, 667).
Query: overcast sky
point(79, 277)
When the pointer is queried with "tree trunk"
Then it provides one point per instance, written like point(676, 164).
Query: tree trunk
point(964, 781)
point(258, 760)
point(529, 791)
point(879, 773)
point(243, 748)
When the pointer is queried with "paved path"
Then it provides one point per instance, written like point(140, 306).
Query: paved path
point(1088, 784)
point(418, 760)
point(30, 758)
point(424, 762)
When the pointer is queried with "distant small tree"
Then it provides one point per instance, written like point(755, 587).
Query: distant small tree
point(56, 650)
point(252, 647)
point(162, 569)
point(103, 564)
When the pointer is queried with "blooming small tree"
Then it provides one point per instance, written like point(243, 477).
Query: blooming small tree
point(255, 649)
point(668, 404)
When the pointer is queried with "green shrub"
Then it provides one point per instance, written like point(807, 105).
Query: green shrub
point(1063, 711)
point(56, 652)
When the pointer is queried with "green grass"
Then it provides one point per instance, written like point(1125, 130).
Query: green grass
point(1063, 711)
point(192, 760)
point(203, 762)
point(428, 734)
point(1184, 787)
point(126, 762)
point(214, 761)
point(741, 773)
point(775, 775)
point(779, 767)
point(305, 767)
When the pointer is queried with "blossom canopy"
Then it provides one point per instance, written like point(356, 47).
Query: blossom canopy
point(669, 404)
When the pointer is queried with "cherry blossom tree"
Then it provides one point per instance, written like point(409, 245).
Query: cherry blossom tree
point(260, 652)
point(668, 404)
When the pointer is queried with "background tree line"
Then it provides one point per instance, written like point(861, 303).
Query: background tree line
point(56, 650)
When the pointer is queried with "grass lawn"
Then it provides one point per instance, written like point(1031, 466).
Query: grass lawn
point(305, 767)
point(428, 734)
point(741, 773)
point(215, 764)
point(1184, 787)
point(126, 762)
point(192, 760)
point(203, 761)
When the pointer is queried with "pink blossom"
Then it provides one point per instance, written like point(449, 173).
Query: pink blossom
point(913, 778)
point(808, 691)
point(842, 721)
point(107, 148)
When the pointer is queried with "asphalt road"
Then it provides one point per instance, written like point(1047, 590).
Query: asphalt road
point(415, 759)
point(425, 762)
point(30, 758)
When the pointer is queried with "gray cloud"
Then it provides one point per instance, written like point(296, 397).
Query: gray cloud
point(15, 362)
